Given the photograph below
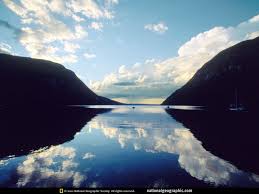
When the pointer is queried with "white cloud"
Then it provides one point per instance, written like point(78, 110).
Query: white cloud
point(252, 35)
point(80, 32)
point(148, 61)
point(37, 40)
point(71, 47)
point(17, 9)
point(89, 55)
point(158, 28)
point(59, 6)
point(5, 48)
point(254, 19)
point(159, 78)
point(151, 79)
point(211, 42)
point(42, 26)
point(90, 9)
point(96, 26)
point(88, 156)
point(112, 2)
point(77, 18)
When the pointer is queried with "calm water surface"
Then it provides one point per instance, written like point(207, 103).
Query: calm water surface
point(123, 146)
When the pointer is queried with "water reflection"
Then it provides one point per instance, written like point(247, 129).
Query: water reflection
point(24, 129)
point(156, 134)
point(56, 163)
point(230, 135)
point(141, 147)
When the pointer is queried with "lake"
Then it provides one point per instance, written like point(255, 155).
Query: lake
point(122, 146)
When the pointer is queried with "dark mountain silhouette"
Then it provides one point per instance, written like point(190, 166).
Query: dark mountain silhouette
point(231, 77)
point(24, 129)
point(230, 135)
point(33, 81)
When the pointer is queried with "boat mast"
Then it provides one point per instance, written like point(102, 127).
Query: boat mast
point(236, 98)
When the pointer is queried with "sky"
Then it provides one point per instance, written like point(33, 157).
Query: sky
point(133, 51)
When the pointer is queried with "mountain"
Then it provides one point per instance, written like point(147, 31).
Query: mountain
point(25, 80)
point(231, 77)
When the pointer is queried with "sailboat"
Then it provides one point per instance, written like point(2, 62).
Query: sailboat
point(236, 106)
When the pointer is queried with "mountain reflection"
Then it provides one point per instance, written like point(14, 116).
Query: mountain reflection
point(156, 133)
point(229, 135)
point(124, 147)
point(24, 129)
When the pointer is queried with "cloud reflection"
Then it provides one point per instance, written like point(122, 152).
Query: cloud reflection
point(5, 161)
point(53, 167)
point(88, 155)
point(171, 137)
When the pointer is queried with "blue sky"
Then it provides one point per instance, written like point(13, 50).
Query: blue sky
point(135, 51)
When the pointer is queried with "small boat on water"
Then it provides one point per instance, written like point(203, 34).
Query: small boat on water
point(236, 106)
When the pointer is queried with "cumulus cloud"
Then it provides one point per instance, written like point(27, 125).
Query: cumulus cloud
point(160, 27)
point(16, 8)
point(212, 41)
point(59, 6)
point(38, 42)
point(152, 80)
point(252, 35)
point(90, 9)
point(111, 2)
point(80, 32)
point(89, 55)
point(77, 18)
point(254, 19)
point(96, 26)
point(42, 29)
point(53, 167)
point(5, 48)
point(71, 47)
point(159, 78)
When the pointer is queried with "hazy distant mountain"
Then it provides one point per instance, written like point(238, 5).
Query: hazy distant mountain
point(33, 81)
point(231, 77)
